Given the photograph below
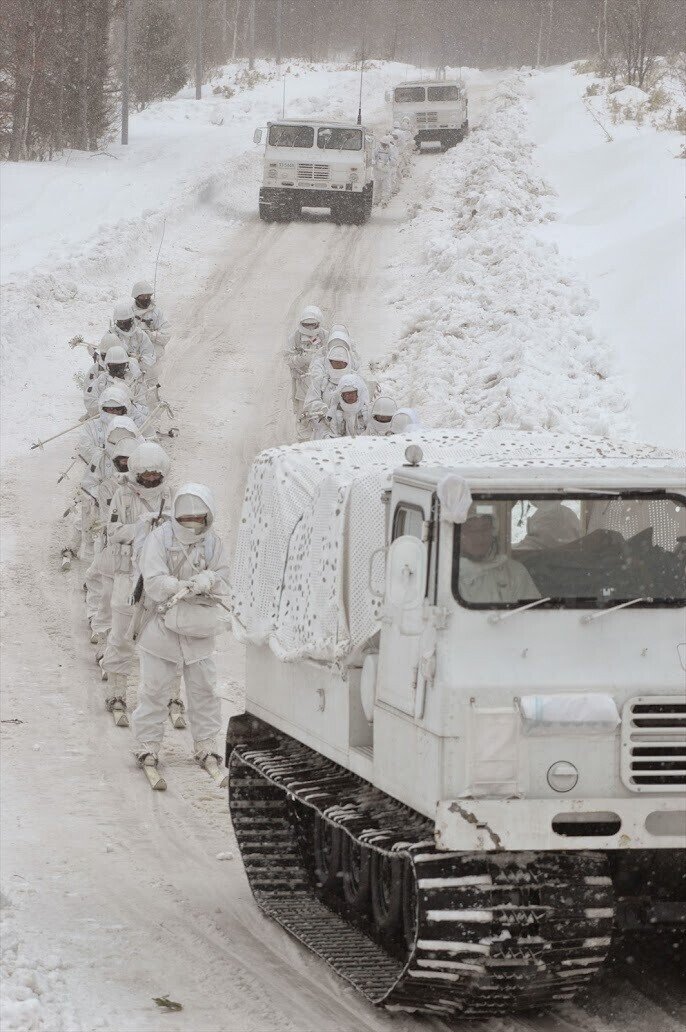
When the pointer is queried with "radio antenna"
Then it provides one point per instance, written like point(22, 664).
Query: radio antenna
point(283, 99)
point(359, 108)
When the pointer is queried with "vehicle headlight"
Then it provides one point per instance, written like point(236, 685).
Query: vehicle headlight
point(354, 176)
point(562, 776)
point(272, 172)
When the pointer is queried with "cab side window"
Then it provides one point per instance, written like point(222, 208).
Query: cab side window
point(407, 520)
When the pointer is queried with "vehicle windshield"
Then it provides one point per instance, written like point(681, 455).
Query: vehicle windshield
point(443, 93)
point(409, 94)
point(330, 138)
point(291, 136)
point(585, 552)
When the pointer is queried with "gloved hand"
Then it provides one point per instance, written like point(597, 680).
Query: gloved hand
point(202, 583)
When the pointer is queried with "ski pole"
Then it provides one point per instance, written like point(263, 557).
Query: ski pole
point(81, 422)
point(68, 469)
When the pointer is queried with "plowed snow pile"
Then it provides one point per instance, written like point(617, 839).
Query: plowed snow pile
point(497, 329)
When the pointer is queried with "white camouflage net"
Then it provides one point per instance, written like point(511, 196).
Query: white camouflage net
point(313, 515)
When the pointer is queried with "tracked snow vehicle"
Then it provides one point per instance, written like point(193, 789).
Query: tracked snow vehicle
point(436, 109)
point(462, 764)
point(316, 164)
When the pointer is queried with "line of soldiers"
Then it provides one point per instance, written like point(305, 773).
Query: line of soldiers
point(157, 570)
point(330, 396)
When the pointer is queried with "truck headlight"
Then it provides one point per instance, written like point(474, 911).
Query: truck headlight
point(354, 176)
point(272, 172)
point(562, 776)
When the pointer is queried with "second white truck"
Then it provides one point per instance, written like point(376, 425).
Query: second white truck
point(437, 110)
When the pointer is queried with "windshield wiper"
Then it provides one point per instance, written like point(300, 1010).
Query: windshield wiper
point(589, 617)
point(499, 617)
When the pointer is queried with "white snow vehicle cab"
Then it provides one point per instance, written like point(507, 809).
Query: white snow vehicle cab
point(437, 110)
point(316, 165)
point(462, 766)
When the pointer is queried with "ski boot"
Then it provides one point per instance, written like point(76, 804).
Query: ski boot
point(212, 762)
point(146, 758)
point(67, 556)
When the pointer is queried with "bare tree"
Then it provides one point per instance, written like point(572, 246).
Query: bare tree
point(236, 16)
point(635, 25)
point(539, 46)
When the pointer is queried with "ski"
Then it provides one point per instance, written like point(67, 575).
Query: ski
point(157, 782)
point(177, 715)
point(120, 716)
point(217, 773)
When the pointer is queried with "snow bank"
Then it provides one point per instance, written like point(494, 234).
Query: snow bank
point(621, 221)
point(497, 328)
point(33, 994)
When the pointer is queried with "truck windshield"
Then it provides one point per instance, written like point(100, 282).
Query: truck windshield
point(409, 94)
point(590, 551)
point(339, 139)
point(443, 93)
point(291, 136)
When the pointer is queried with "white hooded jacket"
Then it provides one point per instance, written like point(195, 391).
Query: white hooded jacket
point(349, 420)
point(167, 562)
point(138, 345)
point(303, 346)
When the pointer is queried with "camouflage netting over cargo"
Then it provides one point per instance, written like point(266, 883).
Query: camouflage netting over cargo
point(313, 515)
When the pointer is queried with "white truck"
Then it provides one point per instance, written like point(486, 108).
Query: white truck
point(316, 164)
point(437, 110)
point(462, 766)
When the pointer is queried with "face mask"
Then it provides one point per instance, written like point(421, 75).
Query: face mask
point(193, 527)
point(125, 325)
point(118, 371)
point(152, 479)
point(144, 301)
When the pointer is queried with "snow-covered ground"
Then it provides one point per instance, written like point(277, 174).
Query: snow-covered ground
point(113, 895)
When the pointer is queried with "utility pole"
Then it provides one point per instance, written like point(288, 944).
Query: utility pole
point(251, 36)
point(279, 31)
point(125, 78)
point(198, 48)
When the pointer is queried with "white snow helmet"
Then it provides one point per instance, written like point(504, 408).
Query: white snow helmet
point(310, 314)
point(108, 341)
point(351, 382)
point(114, 396)
point(120, 428)
point(123, 310)
point(405, 421)
point(149, 458)
point(339, 333)
point(383, 409)
point(116, 355)
point(192, 500)
point(141, 286)
point(338, 353)
point(123, 449)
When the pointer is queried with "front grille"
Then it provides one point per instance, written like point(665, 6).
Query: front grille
point(654, 744)
point(426, 119)
point(313, 173)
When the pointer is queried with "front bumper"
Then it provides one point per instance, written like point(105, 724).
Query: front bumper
point(436, 135)
point(308, 197)
point(519, 824)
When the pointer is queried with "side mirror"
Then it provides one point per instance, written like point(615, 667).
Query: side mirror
point(257, 136)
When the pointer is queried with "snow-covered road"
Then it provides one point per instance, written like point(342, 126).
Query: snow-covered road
point(113, 895)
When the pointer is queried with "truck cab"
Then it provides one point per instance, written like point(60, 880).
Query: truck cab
point(316, 164)
point(437, 110)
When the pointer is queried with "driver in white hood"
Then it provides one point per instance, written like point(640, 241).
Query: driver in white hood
point(183, 563)
point(486, 575)
point(137, 506)
point(348, 414)
point(304, 344)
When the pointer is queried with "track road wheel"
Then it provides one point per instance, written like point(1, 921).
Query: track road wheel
point(387, 895)
point(326, 844)
point(356, 867)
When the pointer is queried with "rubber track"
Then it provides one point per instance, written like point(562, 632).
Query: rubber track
point(496, 933)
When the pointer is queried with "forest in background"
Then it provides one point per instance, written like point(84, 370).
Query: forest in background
point(62, 64)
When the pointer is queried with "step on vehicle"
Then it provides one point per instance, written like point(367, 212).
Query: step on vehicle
point(461, 770)
point(437, 110)
point(312, 164)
